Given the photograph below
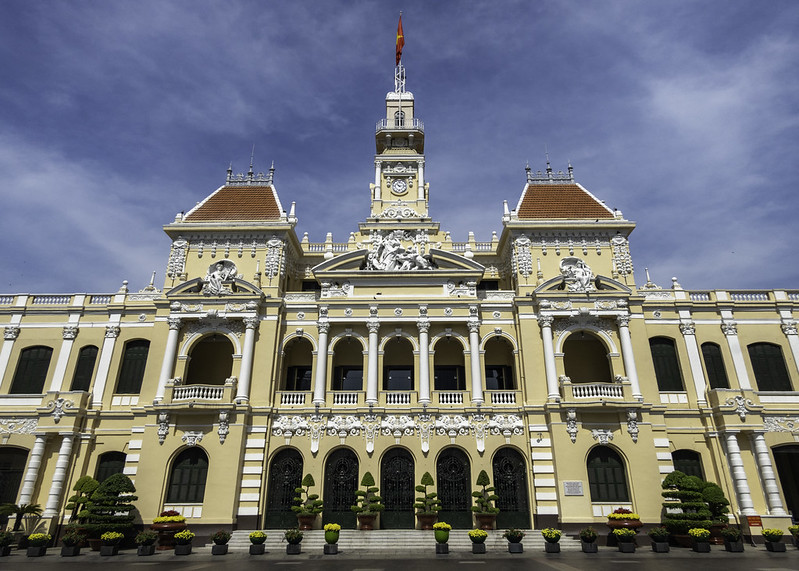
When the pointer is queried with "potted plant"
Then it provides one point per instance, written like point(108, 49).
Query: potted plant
point(684, 507)
point(37, 544)
point(145, 542)
point(625, 536)
point(183, 539)
point(552, 537)
point(367, 503)
point(514, 537)
point(701, 537)
point(308, 505)
point(485, 510)
point(332, 531)
point(794, 531)
point(166, 525)
point(110, 507)
point(18, 511)
point(110, 542)
point(293, 538)
point(220, 539)
point(773, 539)
point(732, 539)
point(71, 541)
point(257, 540)
point(478, 539)
point(588, 537)
point(717, 503)
point(660, 539)
point(427, 505)
point(6, 540)
point(624, 518)
point(441, 530)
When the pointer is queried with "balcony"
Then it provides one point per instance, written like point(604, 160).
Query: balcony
point(450, 397)
point(404, 125)
point(589, 394)
point(503, 398)
point(176, 393)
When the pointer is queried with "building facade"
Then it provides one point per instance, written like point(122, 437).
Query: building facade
point(534, 356)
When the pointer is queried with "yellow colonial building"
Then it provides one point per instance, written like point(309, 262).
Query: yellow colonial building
point(534, 356)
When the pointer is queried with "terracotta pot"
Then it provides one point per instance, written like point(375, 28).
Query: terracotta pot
point(305, 522)
point(426, 521)
point(166, 533)
point(486, 521)
point(367, 522)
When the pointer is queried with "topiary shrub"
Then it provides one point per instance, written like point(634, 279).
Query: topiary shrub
point(485, 497)
point(428, 503)
point(307, 503)
point(83, 489)
point(367, 502)
point(684, 507)
point(110, 506)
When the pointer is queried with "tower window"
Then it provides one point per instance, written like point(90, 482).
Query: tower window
point(667, 367)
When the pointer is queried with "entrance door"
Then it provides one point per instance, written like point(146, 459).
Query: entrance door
point(341, 482)
point(12, 466)
point(454, 488)
point(787, 460)
point(510, 480)
point(285, 475)
point(397, 490)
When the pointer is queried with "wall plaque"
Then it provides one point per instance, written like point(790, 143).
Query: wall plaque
point(573, 488)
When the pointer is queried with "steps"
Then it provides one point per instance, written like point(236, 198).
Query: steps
point(394, 541)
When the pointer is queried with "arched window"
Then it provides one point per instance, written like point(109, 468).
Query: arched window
point(108, 464)
point(499, 365)
point(211, 361)
point(84, 370)
point(768, 365)
point(449, 372)
point(187, 479)
point(606, 477)
point(285, 475)
point(667, 367)
point(131, 373)
point(347, 365)
point(688, 462)
point(714, 366)
point(12, 467)
point(398, 365)
point(585, 359)
point(31, 371)
point(399, 119)
point(297, 365)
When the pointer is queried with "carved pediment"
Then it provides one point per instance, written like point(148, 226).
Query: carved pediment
point(600, 285)
point(439, 260)
point(233, 287)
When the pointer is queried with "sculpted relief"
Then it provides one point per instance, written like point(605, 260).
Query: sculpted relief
point(389, 253)
point(578, 275)
point(218, 274)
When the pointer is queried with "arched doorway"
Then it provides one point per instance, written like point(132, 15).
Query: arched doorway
point(787, 460)
point(585, 359)
point(499, 367)
point(510, 480)
point(397, 489)
point(12, 468)
point(211, 361)
point(449, 371)
point(297, 366)
point(347, 365)
point(341, 482)
point(398, 365)
point(454, 488)
point(285, 475)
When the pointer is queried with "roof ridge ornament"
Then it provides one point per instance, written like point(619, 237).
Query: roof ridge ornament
point(549, 176)
point(251, 178)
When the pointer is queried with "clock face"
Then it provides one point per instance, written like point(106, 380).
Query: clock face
point(399, 186)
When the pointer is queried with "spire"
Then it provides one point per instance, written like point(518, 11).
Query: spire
point(252, 159)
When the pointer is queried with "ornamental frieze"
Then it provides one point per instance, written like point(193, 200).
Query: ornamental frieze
point(781, 424)
point(18, 425)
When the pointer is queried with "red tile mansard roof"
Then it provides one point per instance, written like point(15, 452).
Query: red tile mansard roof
point(234, 202)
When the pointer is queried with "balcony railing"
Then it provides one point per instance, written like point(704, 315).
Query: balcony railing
point(392, 125)
point(449, 397)
point(292, 398)
point(502, 397)
point(176, 392)
point(620, 391)
point(346, 398)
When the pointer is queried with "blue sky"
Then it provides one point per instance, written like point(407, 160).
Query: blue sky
point(116, 115)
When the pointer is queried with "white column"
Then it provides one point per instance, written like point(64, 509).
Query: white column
point(170, 354)
point(789, 328)
point(320, 379)
point(688, 330)
point(60, 474)
point(628, 356)
point(371, 364)
point(767, 476)
point(69, 333)
point(420, 179)
point(730, 329)
point(111, 334)
point(738, 474)
point(377, 180)
point(424, 361)
point(474, 360)
point(243, 392)
point(545, 322)
point(10, 334)
point(32, 473)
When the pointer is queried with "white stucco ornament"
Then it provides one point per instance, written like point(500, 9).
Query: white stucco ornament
point(578, 275)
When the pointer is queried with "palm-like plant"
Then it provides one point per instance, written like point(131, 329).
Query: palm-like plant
point(19, 511)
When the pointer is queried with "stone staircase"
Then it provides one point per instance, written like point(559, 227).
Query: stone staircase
point(394, 541)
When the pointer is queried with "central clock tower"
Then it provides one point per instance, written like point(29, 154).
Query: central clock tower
point(399, 191)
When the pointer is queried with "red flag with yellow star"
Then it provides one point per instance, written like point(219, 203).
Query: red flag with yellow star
point(400, 40)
